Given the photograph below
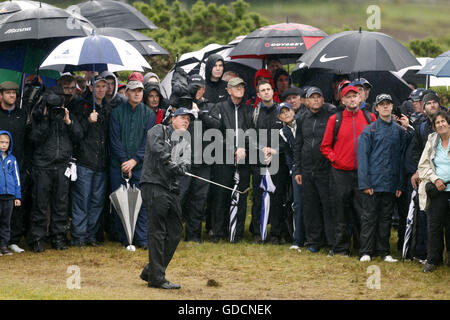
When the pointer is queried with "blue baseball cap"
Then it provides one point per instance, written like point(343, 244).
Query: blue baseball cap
point(417, 94)
point(282, 106)
point(183, 111)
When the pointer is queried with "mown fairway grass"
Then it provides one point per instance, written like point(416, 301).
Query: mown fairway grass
point(239, 271)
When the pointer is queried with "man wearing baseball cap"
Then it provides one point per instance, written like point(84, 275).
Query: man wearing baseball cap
point(381, 147)
point(164, 164)
point(364, 90)
point(235, 118)
point(129, 123)
point(312, 172)
point(293, 97)
point(14, 120)
point(92, 154)
point(340, 149)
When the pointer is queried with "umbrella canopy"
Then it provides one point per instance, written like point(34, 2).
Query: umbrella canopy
point(113, 14)
point(145, 45)
point(96, 53)
point(268, 187)
point(127, 201)
point(43, 23)
point(356, 51)
point(192, 63)
point(381, 81)
point(281, 40)
point(8, 8)
point(438, 67)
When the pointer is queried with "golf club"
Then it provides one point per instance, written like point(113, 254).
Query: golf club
point(217, 184)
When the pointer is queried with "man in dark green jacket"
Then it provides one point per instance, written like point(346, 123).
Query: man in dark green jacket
point(129, 124)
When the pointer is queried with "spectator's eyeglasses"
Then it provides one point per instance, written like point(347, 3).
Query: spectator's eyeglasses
point(69, 88)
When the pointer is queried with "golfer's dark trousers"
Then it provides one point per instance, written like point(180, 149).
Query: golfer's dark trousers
point(276, 213)
point(20, 219)
point(50, 190)
point(318, 212)
point(6, 208)
point(164, 229)
point(376, 220)
point(221, 214)
point(348, 200)
point(438, 220)
point(193, 194)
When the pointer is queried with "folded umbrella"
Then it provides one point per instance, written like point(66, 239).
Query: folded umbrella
point(127, 201)
point(234, 206)
point(410, 221)
point(268, 187)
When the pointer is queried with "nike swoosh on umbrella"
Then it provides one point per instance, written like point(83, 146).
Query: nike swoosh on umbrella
point(357, 51)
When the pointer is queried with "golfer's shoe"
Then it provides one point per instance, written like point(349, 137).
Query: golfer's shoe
point(294, 247)
point(365, 258)
point(144, 274)
point(428, 267)
point(166, 285)
point(389, 259)
point(15, 248)
point(5, 252)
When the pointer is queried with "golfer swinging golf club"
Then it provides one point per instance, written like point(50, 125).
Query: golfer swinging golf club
point(167, 157)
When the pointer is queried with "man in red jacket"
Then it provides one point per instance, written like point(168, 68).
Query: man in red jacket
point(340, 148)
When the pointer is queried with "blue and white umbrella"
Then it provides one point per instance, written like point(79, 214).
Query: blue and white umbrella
point(95, 53)
point(438, 67)
point(268, 187)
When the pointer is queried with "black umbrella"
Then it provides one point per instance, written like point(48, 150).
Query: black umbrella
point(284, 40)
point(356, 51)
point(43, 23)
point(145, 45)
point(7, 8)
point(113, 14)
point(381, 81)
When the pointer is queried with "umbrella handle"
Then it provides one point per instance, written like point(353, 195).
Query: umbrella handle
point(123, 177)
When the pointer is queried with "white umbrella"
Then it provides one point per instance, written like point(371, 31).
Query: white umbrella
point(127, 201)
point(268, 187)
point(96, 53)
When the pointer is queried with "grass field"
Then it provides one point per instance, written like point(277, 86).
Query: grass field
point(403, 20)
point(215, 272)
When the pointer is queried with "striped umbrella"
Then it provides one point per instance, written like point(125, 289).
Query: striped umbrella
point(268, 187)
point(234, 206)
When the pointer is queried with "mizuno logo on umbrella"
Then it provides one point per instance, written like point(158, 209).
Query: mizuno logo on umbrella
point(17, 30)
point(66, 52)
point(324, 59)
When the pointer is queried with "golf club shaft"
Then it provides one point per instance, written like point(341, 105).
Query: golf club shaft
point(217, 184)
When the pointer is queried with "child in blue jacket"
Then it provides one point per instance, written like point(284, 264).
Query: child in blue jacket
point(9, 189)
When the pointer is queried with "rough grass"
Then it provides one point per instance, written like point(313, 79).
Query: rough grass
point(215, 272)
